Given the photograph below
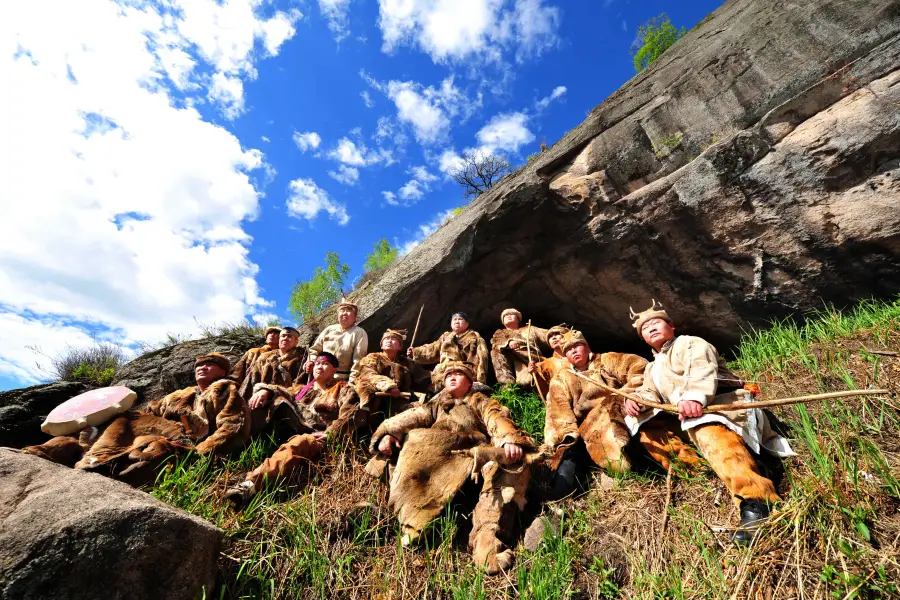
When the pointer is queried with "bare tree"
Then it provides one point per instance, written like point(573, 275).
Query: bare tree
point(477, 172)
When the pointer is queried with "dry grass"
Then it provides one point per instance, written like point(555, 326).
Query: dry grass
point(836, 535)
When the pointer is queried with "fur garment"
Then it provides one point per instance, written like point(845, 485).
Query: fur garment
point(378, 373)
point(242, 366)
point(511, 366)
point(349, 346)
point(468, 346)
point(331, 409)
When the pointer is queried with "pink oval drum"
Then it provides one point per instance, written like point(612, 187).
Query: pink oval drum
point(90, 408)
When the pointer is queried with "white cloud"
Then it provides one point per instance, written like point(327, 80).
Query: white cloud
point(50, 336)
point(355, 154)
point(139, 230)
point(427, 109)
point(414, 189)
point(337, 13)
point(228, 93)
point(307, 200)
point(367, 99)
point(457, 29)
point(557, 93)
point(425, 230)
point(346, 175)
point(505, 132)
point(265, 139)
point(449, 161)
point(390, 198)
point(307, 141)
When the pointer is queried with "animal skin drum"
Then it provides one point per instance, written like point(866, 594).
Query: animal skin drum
point(88, 409)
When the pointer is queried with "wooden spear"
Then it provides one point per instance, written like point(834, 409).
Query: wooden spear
point(412, 341)
point(719, 408)
point(533, 376)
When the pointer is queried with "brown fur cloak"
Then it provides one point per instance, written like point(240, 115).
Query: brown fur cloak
point(510, 366)
point(378, 373)
point(332, 410)
point(242, 366)
point(468, 346)
point(272, 369)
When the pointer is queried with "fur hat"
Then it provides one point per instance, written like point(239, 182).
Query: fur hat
point(572, 338)
point(510, 311)
point(215, 358)
point(656, 311)
point(458, 366)
point(327, 357)
point(561, 329)
point(272, 330)
point(290, 330)
point(397, 334)
point(344, 303)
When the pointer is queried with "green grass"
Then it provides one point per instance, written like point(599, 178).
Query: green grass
point(525, 406)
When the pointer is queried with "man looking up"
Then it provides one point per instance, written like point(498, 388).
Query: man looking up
point(510, 348)
point(239, 371)
point(279, 367)
point(345, 340)
point(460, 344)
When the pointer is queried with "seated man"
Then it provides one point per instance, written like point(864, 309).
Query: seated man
point(282, 367)
point(582, 416)
point(210, 414)
point(547, 369)
point(458, 344)
point(326, 407)
point(688, 372)
point(389, 372)
point(346, 340)
point(239, 371)
point(439, 439)
point(510, 348)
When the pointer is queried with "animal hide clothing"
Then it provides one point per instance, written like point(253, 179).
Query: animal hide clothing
point(546, 370)
point(429, 472)
point(467, 346)
point(271, 368)
point(576, 408)
point(349, 346)
point(511, 366)
point(242, 366)
point(378, 373)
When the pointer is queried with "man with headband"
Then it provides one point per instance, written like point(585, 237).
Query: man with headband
point(326, 407)
point(346, 340)
point(460, 344)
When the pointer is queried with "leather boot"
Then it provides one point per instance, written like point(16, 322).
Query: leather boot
point(753, 514)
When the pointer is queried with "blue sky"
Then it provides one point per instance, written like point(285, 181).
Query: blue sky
point(188, 162)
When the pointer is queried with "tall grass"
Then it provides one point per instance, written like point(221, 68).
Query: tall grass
point(96, 364)
point(525, 406)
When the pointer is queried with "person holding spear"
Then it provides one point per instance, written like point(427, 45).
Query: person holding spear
point(387, 379)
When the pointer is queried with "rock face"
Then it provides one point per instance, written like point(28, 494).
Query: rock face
point(158, 373)
point(22, 411)
point(74, 535)
point(751, 172)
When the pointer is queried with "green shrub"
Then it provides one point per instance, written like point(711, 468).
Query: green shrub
point(526, 407)
point(94, 365)
point(654, 37)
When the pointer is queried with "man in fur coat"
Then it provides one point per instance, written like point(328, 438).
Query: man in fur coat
point(282, 367)
point(437, 443)
point(325, 407)
point(239, 371)
point(210, 417)
point(510, 348)
point(583, 417)
point(346, 340)
point(389, 372)
point(546, 369)
point(688, 372)
point(460, 344)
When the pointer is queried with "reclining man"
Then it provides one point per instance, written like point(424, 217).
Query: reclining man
point(545, 370)
point(688, 372)
point(584, 417)
point(211, 415)
point(346, 340)
point(239, 371)
point(387, 379)
point(282, 367)
point(458, 344)
point(510, 346)
point(325, 408)
point(438, 442)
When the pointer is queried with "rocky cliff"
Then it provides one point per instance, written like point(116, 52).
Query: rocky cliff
point(752, 171)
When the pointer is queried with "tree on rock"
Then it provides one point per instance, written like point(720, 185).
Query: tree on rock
point(478, 171)
point(383, 255)
point(654, 37)
point(322, 289)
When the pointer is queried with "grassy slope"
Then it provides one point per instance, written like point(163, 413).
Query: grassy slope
point(835, 536)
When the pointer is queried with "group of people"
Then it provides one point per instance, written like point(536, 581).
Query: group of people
point(435, 431)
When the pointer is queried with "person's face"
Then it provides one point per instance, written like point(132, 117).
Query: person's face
point(323, 370)
point(511, 321)
point(457, 383)
point(390, 343)
point(207, 373)
point(287, 341)
point(578, 355)
point(555, 341)
point(272, 339)
point(657, 332)
point(458, 324)
point(346, 317)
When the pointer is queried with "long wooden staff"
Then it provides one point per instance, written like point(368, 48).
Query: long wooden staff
point(533, 376)
point(718, 408)
point(412, 341)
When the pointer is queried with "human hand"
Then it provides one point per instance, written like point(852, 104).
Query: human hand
point(259, 398)
point(632, 408)
point(308, 367)
point(513, 345)
point(387, 444)
point(531, 367)
point(688, 409)
point(409, 352)
point(319, 438)
point(513, 452)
